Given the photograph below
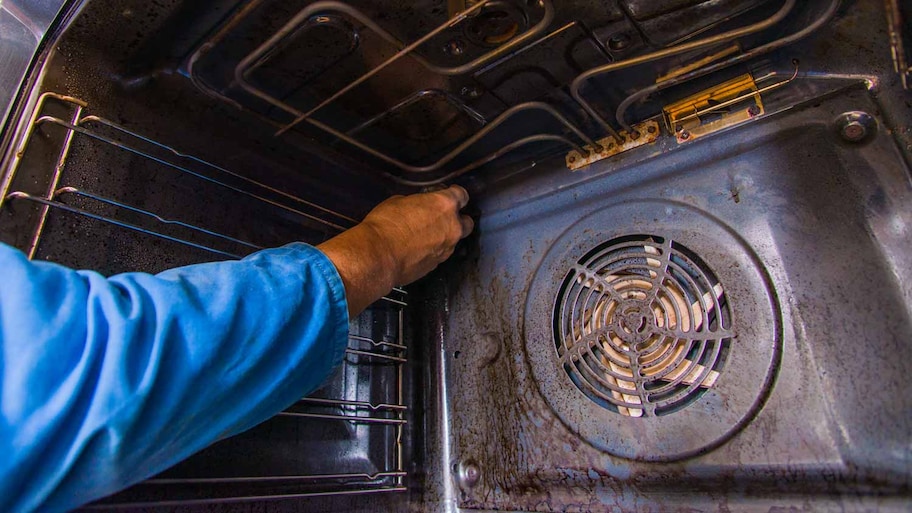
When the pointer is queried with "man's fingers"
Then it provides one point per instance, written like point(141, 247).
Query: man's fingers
point(459, 194)
point(467, 225)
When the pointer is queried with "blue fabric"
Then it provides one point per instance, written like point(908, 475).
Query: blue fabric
point(107, 381)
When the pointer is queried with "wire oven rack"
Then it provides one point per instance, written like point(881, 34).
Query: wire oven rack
point(384, 410)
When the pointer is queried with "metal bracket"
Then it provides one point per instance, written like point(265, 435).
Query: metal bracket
point(727, 104)
point(642, 134)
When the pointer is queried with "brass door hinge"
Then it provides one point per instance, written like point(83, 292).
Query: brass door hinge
point(722, 106)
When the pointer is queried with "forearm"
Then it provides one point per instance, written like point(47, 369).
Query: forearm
point(365, 263)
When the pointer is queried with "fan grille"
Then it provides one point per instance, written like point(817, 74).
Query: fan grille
point(642, 326)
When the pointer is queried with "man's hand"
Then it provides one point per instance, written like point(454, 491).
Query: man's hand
point(401, 240)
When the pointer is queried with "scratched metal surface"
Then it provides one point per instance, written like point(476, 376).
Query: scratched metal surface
point(826, 219)
point(828, 222)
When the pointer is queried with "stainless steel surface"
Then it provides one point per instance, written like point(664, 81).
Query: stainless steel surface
point(801, 228)
point(23, 25)
point(459, 401)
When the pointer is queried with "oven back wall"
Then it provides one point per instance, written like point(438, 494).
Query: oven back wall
point(803, 232)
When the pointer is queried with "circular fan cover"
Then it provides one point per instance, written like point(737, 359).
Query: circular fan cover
point(652, 330)
point(642, 326)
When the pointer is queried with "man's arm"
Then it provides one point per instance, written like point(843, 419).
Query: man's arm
point(105, 382)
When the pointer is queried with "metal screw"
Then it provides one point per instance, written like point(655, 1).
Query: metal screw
point(685, 135)
point(854, 131)
point(571, 159)
point(635, 135)
point(454, 47)
point(753, 110)
point(468, 473)
point(679, 128)
point(619, 42)
point(855, 126)
point(651, 129)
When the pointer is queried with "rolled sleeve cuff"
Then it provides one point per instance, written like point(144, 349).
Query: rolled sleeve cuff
point(338, 304)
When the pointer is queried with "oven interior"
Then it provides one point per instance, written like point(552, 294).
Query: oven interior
point(689, 285)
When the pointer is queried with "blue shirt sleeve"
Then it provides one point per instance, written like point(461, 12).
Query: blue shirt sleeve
point(107, 381)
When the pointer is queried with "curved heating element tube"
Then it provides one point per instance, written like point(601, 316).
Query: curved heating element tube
point(241, 70)
point(463, 146)
point(750, 54)
point(340, 7)
point(254, 59)
point(263, 50)
point(484, 160)
point(724, 37)
point(528, 140)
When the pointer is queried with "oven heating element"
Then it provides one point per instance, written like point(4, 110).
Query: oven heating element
point(437, 172)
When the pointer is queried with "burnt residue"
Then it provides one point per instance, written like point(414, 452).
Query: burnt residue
point(485, 376)
point(828, 219)
point(791, 176)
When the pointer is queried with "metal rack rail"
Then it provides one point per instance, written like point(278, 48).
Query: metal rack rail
point(362, 350)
